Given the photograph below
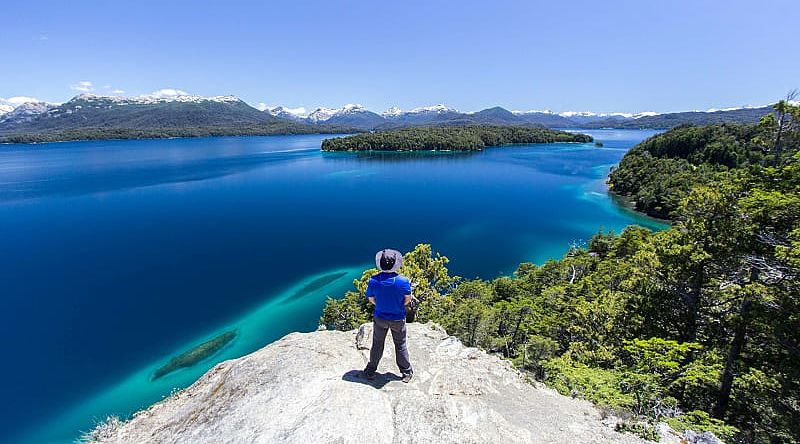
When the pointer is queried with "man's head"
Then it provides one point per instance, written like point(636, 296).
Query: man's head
point(388, 260)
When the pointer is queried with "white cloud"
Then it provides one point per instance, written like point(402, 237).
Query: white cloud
point(84, 86)
point(18, 100)
point(262, 106)
point(167, 92)
point(113, 90)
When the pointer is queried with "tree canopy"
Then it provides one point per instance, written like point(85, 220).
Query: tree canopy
point(449, 138)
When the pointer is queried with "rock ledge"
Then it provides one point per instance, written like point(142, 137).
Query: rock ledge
point(307, 388)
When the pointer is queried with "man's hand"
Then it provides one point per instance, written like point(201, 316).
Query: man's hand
point(372, 300)
point(408, 299)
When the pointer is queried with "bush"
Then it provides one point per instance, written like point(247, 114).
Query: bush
point(700, 421)
point(600, 386)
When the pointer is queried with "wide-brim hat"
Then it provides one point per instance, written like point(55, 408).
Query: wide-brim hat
point(398, 259)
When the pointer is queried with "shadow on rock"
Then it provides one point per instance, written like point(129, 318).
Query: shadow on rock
point(380, 380)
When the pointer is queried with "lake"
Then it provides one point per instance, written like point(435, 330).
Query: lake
point(116, 256)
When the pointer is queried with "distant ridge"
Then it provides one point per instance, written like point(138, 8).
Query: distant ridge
point(177, 114)
point(89, 116)
point(360, 117)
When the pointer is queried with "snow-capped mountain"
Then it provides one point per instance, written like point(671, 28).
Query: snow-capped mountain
point(356, 116)
point(295, 114)
point(8, 105)
point(392, 112)
point(157, 97)
point(433, 109)
point(544, 117)
point(321, 115)
point(26, 112)
point(425, 115)
point(436, 109)
point(152, 112)
point(580, 117)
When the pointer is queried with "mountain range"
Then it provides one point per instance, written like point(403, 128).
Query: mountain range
point(359, 117)
point(94, 116)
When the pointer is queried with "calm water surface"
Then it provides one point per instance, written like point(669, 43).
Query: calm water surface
point(117, 255)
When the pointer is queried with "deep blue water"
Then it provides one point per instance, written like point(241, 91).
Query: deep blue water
point(116, 255)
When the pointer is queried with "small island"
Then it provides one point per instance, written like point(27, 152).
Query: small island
point(450, 138)
point(195, 355)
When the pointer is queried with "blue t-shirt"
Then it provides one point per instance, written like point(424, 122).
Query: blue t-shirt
point(389, 291)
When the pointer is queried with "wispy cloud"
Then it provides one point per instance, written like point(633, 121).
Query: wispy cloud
point(83, 86)
point(168, 92)
point(42, 38)
point(262, 106)
point(113, 90)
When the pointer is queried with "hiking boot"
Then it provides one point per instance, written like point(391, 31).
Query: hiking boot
point(369, 373)
point(407, 377)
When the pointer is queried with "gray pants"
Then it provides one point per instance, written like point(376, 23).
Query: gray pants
point(379, 330)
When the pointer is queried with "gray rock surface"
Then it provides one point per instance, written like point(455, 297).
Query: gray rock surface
point(693, 437)
point(307, 388)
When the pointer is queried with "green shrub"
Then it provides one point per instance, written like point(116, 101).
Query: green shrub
point(641, 429)
point(700, 421)
point(600, 386)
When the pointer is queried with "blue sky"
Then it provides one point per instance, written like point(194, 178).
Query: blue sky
point(627, 56)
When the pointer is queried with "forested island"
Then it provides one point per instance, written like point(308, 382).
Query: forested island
point(695, 326)
point(449, 138)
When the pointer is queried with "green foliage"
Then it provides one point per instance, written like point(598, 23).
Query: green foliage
point(659, 172)
point(449, 138)
point(641, 429)
point(346, 313)
point(602, 387)
point(661, 357)
point(700, 421)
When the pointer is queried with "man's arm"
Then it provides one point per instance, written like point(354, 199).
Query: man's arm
point(370, 292)
point(407, 287)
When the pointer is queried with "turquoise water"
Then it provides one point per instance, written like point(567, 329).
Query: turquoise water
point(119, 255)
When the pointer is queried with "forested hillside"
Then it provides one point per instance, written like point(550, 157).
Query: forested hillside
point(93, 133)
point(659, 172)
point(90, 117)
point(671, 120)
point(695, 325)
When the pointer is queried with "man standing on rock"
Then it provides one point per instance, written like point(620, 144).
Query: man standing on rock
point(390, 292)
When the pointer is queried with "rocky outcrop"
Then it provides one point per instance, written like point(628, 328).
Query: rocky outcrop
point(307, 388)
